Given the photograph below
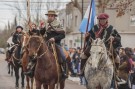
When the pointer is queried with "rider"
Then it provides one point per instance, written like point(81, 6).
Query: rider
point(53, 32)
point(16, 40)
point(33, 29)
point(104, 31)
point(30, 68)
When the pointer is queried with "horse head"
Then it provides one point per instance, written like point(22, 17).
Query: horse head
point(34, 46)
point(97, 52)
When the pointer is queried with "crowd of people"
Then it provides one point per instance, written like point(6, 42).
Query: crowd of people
point(76, 63)
point(126, 68)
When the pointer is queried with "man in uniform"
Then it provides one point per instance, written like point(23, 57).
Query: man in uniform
point(104, 31)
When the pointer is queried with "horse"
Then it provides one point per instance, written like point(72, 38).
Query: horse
point(99, 67)
point(47, 70)
point(10, 64)
point(15, 60)
point(25, 61)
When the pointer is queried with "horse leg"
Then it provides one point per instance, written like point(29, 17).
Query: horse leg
point(32, 80)
point(38, 84)
point(52, 86)
point(22, 75)
point(27, 85)
point(62, 84)
point(8, 68)
point(12, 69)
point(45, 86)
point(16, 76)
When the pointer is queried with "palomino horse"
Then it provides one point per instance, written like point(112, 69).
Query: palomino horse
point(25, 60)
point(15, 60)
point(99, 67)
point(47, 70)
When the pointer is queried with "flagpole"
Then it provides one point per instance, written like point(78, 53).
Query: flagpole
point(87, 24)
point(82, 32)
point(89, 17)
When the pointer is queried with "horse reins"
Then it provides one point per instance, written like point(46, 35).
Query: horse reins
point(56, 60)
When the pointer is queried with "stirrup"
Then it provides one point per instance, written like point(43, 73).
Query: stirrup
point(65, 75)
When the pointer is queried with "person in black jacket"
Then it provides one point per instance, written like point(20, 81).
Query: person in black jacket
point(104, 31)
point(16, 39)
point(33, 30)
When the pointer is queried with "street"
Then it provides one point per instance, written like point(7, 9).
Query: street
point(8, 82)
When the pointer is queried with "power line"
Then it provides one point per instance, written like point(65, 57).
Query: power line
point(36, 2)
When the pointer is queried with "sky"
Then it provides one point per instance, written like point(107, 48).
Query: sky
point(8, 12)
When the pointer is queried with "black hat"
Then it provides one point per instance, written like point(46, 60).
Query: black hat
point(19, 27)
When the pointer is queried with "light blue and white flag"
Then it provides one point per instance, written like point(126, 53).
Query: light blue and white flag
point(92, 15)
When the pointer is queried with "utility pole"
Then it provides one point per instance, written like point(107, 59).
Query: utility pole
point(81, 32)
point(28, 11)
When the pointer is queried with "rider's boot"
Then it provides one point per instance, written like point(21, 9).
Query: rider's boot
point(64, 70)
point(20, 56)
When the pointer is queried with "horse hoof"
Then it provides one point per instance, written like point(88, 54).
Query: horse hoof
point(11, 73)
point(17, 86)
point(27, 87)
point(23, 88)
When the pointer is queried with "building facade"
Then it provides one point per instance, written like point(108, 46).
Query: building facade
point(71, 18)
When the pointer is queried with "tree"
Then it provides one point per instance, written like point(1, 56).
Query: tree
point(123, 6)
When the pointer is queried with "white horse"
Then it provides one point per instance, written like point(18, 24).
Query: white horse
point(99, 67)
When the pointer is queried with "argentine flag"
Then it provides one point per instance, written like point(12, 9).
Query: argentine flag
point(88, 15)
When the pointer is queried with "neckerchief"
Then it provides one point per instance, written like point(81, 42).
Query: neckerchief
point(101, 28)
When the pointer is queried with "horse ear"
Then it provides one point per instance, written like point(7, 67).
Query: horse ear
point(103, 40)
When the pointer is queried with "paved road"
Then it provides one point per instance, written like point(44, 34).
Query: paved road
point(8, 82)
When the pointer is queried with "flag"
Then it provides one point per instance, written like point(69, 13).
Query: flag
point(88, 15)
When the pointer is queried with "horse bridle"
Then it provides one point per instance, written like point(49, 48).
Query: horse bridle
point(41, 43)
point(100, 55)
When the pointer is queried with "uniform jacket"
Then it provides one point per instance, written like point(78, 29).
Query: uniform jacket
point(53, 29)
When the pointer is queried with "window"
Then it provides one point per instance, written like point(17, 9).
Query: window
point(63, 22)
point(76, 17)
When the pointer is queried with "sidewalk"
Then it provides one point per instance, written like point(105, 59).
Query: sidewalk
point(2, 57)
point(74, 79)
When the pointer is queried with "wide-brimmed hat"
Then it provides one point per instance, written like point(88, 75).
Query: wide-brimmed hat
point(103, 16)
point(51, 12)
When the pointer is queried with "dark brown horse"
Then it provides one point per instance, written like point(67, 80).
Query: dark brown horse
point(16, 57)
point(9, 61)
point(25, 61)
point(47, 71)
